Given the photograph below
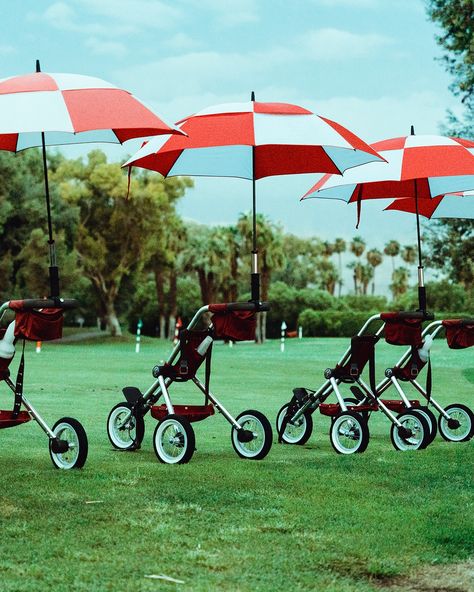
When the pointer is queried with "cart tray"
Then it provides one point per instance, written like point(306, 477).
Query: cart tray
point(190, 412)
point(7, 420)
point(332, 409)
point(398, 405)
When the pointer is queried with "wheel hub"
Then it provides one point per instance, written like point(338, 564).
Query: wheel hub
point(453, 424)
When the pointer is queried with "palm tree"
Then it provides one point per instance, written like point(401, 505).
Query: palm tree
point(399, 283)
point(392, 249)
point(357, 247)
point(339, 248)
point(375, 258)
point(409, 254)
point(366, 274)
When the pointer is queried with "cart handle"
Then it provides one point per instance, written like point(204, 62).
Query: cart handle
point(407, 314)
point(244, 306)
point(31, 303)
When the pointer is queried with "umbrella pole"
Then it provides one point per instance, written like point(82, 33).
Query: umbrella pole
point(421, 275)
point(53, 268)
point(254, 276)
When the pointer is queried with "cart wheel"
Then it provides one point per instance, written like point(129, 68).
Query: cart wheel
point(430, 420)
point(349, 433)
point(414, 434)
point(297, 432)
point(174, 440)
point(124, 429)
point(255, 439)
point(71, 431)
point(460, 425)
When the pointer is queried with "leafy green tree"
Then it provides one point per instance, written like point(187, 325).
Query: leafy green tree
point(115, 235)
point(455, 18)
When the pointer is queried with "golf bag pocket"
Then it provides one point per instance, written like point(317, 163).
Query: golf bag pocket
point(401, 330)
point(195, 347)
point(39, 324)
point(459, 333)
point(237, 325)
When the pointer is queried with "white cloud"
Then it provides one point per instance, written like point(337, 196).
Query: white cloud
point(336, 44)
point(7, 49)
point(182, 42)
point(228, 14)
point(109, 18)
point(110, 48)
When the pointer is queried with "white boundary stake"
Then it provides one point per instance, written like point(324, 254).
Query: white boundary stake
point(38, 347)
point(283, 332)
point(300, 332)
point(177, 327)
point(139, 332)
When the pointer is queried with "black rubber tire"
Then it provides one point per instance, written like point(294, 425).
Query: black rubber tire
point(60, 460)
point(135, 440)
point(307, 418)
point(432, 421)
point(185, 435)
point(470, 418)
point(266, 431)
point(402, 445)
point(360, 431)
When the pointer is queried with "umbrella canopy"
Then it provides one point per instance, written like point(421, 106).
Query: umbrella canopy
point(418, 167)
point(43, 109)
point(254, 140)
point(442, 206)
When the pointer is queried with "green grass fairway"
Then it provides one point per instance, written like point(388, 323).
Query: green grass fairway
point(304, 518)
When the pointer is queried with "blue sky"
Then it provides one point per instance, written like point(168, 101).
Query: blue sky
point(368, 64)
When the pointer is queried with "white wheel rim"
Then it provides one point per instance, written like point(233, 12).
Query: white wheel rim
point(412, 423)
point(428, 419)
point(66, 460)
point(294, 432)
point(255, 446)
point(122, 427)
point(171, 441)
point(456, 434)
point(346, 434)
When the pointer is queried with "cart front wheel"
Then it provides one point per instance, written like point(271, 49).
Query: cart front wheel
point(254, 440)
point(296, 432)
point(174, 440)
point(69, 431)
point(460, 425)
point(349, 433)
point(124, 428)
point(414, 433)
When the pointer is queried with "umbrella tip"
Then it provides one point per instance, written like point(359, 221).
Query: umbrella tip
point(252, 96)
point(38, 67)
point(412, 130)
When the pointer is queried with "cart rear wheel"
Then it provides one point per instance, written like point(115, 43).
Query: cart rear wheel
point(297, 432)
point(125, 429)
point(414, 433)
point(69, 430)
point(349, 433)
point(460, 425)
point(255, 439)
point(174, 440)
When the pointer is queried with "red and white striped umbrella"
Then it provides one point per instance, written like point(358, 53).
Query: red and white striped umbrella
point(427, 166)
point(418, 167)
point(70, 109)
point(255, 140)
point(455, 205)
point(43, 109)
